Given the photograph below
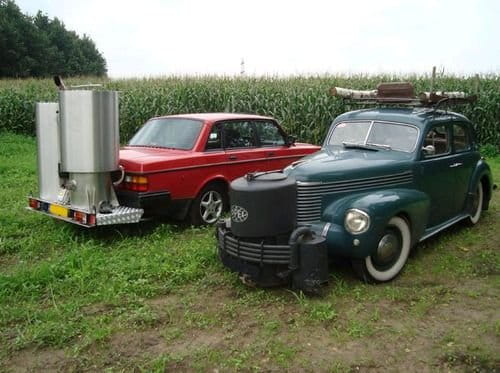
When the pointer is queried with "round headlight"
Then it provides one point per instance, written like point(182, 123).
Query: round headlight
point(356, 221)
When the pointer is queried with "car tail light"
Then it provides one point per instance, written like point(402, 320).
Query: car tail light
point(80, 217)
point(83, 218)
point(34, 204)
point(91, 219)
point(136, 183)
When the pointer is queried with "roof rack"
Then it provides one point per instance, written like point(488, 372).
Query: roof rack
point(403, 94)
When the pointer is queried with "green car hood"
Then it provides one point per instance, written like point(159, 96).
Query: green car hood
point(335, 163)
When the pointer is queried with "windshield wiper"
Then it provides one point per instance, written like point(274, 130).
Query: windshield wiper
point(383, 146)
point(152, 146)
point(359, 145)
point(367, 146)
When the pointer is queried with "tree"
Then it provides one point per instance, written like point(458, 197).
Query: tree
point(39, 47)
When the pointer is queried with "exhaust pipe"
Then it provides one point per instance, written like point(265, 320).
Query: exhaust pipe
point(308, 260)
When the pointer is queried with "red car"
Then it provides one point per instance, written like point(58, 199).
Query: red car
point(181, 165)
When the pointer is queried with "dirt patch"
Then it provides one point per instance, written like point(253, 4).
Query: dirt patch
point(153, 343)
point(33, 359)
point(129, 345)
point(229, 330)
point(7, 262)
point(97, 309)
point(469, 362)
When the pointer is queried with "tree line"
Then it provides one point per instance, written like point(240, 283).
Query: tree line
point(37, 46)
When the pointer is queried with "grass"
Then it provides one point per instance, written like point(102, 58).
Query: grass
point(153, 296)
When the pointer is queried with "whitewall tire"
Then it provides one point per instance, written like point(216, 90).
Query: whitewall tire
point(390, 255)
point(477, 204)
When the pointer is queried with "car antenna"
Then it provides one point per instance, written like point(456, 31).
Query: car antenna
point(433, 79)
point(432, 95)
point(475, 87)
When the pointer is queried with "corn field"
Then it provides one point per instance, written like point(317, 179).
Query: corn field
point(301, 104)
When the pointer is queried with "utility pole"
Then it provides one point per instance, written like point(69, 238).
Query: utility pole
point(242, 67)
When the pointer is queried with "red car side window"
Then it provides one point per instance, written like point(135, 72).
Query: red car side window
point(239, 134)
point(269, 134)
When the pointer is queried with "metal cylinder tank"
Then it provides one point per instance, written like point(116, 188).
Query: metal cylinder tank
point(92, 191)
point(89, 139)
point(89, 135)
point(47, 136)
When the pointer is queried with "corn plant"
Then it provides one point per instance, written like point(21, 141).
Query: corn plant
point(302, 104)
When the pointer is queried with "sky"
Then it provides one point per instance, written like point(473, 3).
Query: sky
point(291, 37)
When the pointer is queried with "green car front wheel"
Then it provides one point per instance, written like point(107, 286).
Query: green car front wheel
point(390, 255)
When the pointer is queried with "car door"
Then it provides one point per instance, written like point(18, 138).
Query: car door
point(436, 177)
point(272, 140)
point(214, 154)
point(201, 166)
point(243, 154)
point(465, 160)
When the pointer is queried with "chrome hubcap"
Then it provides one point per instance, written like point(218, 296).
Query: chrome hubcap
point(388, 250)
point(211, 206)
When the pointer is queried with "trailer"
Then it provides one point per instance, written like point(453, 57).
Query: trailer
point(78, 152)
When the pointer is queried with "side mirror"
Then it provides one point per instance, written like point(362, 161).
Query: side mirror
point(429, 150)
point(290, 140)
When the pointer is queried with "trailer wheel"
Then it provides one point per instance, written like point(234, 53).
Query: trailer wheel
point(209, 205)
point(391, 254)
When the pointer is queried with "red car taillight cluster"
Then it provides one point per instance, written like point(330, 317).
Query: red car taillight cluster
point(136, 183)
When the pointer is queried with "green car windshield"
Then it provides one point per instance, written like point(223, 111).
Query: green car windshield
point(372, 134)
point(173, 133)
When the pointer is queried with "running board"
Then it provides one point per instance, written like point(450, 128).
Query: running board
point(432, 231)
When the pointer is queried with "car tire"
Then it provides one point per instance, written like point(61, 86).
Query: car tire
point(477, 205)
point(390, 256)
point(209, 205)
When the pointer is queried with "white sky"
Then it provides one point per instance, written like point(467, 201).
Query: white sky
point(164, 37)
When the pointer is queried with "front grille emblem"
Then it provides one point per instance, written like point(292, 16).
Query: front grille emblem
point(238, 214)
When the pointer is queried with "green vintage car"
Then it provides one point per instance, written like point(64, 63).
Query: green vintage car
point(385, 179)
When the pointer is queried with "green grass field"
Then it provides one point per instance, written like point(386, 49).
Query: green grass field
point(153, 297)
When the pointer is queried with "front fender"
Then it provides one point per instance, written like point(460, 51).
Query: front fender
point(381, 206)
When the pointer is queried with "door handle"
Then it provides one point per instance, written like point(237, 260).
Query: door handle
point(233, 157)
point(458, 164)
point(271, 154)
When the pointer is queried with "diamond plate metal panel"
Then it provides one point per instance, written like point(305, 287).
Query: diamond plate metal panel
point(120, 215)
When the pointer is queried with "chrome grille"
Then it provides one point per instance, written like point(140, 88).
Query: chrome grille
point(310, 194)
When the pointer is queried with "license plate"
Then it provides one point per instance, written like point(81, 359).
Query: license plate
point(58, 210)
